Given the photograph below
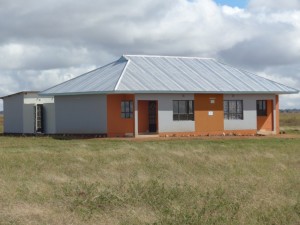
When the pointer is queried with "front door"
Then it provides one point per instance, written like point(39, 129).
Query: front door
point(152, 116)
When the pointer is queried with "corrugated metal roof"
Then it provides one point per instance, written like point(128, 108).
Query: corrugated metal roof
point(21, 92)
point(167, 74)
point(103, 79)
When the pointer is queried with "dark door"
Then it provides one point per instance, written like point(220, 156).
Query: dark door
point(152, 116)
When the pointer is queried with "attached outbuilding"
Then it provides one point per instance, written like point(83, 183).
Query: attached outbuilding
point(163, 95)
point(28, 113)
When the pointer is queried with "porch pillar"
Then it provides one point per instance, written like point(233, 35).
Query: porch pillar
point(136, 119)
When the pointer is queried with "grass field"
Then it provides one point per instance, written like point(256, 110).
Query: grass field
point(44, 180)
point(92, 181)
point(290, 122)
point(1, 124)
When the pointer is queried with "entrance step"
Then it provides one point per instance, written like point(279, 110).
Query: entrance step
point(265, 132)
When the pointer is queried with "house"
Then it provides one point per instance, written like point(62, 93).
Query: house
point(165, 95)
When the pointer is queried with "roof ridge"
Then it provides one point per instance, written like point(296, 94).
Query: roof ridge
point(168, 56)
point(123, 71)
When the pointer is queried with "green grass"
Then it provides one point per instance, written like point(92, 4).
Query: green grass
point(195, 181)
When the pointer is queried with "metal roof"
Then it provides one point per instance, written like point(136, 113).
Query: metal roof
point(168, 74)
point(18, 93)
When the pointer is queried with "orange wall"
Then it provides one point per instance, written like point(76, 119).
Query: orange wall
point(266, 122)
point(277, 114)
point(204, 122)
point(143, 116)
point(117, 126)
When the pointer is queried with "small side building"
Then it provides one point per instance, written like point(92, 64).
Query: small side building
point(27, 113)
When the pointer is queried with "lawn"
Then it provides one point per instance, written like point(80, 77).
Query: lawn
point(195, 181)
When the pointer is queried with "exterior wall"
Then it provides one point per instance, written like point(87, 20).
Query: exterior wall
point(117, 126)
point(28, 119)
point(80, 114)
point(266, 122)
point(34, 98)
point(209, 116)
point(276, 115)
point(165, 112)
point(13, 113)
point(49, 118)
point(250, 116)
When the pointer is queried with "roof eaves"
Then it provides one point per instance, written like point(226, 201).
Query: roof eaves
point(21, 92)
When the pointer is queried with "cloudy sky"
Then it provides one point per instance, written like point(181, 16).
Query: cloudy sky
point(45, 42)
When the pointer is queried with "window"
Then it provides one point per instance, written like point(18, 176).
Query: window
point(261, 107)
point(126, 109)
point(233, 110)
point(183, 110)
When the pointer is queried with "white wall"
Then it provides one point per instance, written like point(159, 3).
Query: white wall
point(13, 113)
point(81, 114)
point(250, 118)
point(165, 112)
point(28, 119)
point(49, 118)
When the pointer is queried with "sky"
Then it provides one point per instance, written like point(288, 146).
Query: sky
point(44, 43)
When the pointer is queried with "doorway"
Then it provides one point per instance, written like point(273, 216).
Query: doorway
point(264, 112)
point(152, 116)
point(147, 117)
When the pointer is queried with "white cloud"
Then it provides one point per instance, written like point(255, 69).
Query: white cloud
point(48, 42)
point(279, 5)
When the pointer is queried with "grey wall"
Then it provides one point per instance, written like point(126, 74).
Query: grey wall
point(165, 112)
point(49, 118)
point(83, 114)
point(250, 119)
point(13, 114)
point(28, 118)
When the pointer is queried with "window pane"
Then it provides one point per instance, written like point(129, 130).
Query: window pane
point(123, 115)
point(127, 106)
point(131, 106)
point(175, 117)
point(182, 107)
point(232, 106)
point(191, 107)
point(226, 116)
point(183, 116)
point(122, 106)
point(175, 107)
point(239, 116)
point(239, 106)
point(225, 106)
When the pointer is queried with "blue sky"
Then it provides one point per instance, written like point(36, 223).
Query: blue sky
point(233, 3)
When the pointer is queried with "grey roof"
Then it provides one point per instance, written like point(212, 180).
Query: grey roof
point(168, 74)
point(18, 93)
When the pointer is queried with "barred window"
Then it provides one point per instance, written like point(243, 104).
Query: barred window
point(126, 109)
point(183, 110)
point(233, 110)
point(261, 107)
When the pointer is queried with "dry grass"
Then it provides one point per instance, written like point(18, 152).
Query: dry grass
point(93, 181)
point(290, 122)
point(1, 124)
